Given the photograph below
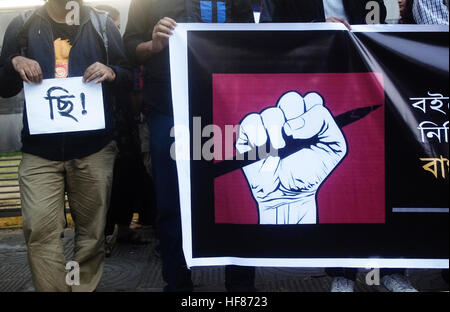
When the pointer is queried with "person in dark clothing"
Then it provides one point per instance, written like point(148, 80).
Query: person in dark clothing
point(293, 11)
point(150, 25)
point(133, 189)
point(38, 45)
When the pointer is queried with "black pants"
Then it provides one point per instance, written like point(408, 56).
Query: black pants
point(132, 191)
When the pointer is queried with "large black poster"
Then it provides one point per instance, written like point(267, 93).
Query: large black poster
point(309, 145)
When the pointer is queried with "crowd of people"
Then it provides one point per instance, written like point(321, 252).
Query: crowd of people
point(108, 174)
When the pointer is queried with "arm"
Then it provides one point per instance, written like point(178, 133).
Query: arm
point(143, 37)
point(138, 34)
point(10, 81)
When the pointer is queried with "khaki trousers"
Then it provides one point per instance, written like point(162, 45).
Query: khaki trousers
point(88, 184)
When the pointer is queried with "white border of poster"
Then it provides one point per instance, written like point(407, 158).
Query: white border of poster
point(180, 83)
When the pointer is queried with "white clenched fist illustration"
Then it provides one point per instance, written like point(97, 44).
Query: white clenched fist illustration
point(285, 186)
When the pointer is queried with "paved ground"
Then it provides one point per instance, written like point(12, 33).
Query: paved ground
point(135, 268)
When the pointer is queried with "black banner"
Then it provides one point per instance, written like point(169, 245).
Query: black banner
point(349, 133)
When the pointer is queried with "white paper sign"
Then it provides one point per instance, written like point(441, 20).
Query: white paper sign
point(64, 105)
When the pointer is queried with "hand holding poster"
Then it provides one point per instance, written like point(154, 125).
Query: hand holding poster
point(64, 105)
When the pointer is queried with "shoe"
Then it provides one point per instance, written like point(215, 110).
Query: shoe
point(342, 284)
point(110, 241)
point(397, 283)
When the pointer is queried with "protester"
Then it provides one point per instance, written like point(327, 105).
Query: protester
point(80, 163)
point(431, 12)
point(406, 15)
point(342, 11)
point(133, 189)
point(150, 25)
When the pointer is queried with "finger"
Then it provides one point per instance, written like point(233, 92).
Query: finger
point(162, 35)
point(168, 23)
point(170, 20)
point(292, 105)
point(40, 76)
point(23, 75)
point(29, 74)
point(93, 76)
point(293, 125)
point(88, 72)
point(91, 70)
point(347, 24)
point(251, 133)
point(164, 29)
point(102, 78)
point(32, 75)
point(312, 99)
point(273, 120)
point(343, 21)
point(35, 74)
point(316, 121)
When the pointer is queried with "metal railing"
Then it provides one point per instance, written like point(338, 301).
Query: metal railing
point(10, 205)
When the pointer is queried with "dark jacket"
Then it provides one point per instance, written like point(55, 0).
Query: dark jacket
point(87, 48)
point(301, 11)
point(145, 14)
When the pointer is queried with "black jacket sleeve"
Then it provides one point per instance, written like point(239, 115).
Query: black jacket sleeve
point(242, 12)
point(117, 58)
point(10, 82)
point(139, 27)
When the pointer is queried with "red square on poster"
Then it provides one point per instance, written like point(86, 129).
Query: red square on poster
point(354, 192)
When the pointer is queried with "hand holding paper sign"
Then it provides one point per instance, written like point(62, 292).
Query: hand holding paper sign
point(100, 72)
point(64, 105)
point(285, 187)
point(28, 69)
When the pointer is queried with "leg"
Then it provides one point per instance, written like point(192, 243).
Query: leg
point(175, 272)
point(240, 279)
point(89, 183)
point(112, 215)
point(122, 198)
point(42, 194)
point(146, 193)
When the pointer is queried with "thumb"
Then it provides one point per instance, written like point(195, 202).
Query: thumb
point(312, 123)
